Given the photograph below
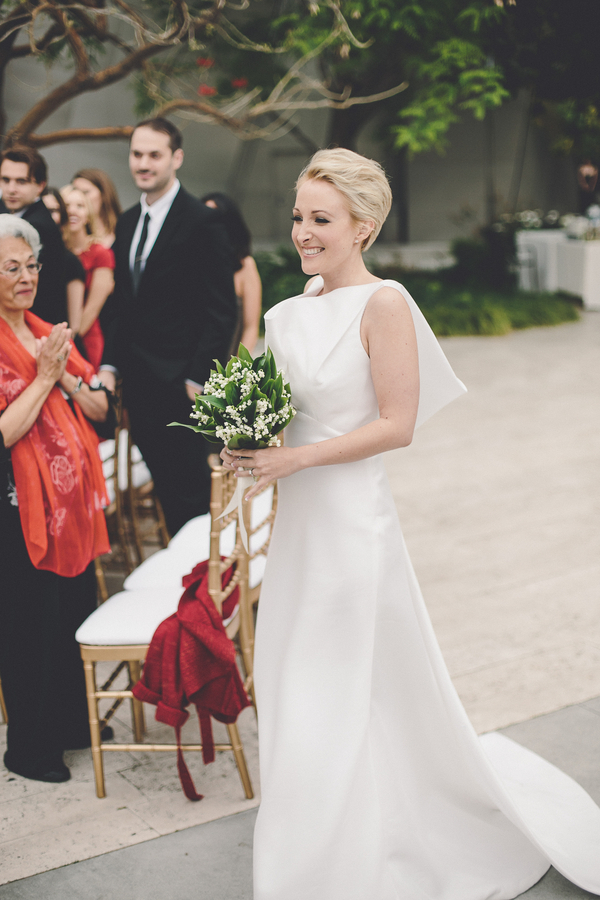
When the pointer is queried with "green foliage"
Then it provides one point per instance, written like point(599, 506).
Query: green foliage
point(281, 275)
point(550, 47)
point(436, 46)
point(456, 78)
point(450, 306)
point(574, 127)
point(487, 261)
point(452, 309)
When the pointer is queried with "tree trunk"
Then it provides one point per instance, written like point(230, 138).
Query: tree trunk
point(345, 125)
point(398, 171)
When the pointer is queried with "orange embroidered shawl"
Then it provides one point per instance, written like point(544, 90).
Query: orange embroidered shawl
point(58, 473)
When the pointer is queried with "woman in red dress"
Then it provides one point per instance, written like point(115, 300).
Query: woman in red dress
point(98, 262)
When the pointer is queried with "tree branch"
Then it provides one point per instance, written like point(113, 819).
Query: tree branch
point(110, 133)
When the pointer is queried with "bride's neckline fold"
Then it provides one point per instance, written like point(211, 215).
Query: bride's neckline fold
point(317, 286)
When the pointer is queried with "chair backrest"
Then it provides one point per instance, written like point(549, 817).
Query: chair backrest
point(259, 515)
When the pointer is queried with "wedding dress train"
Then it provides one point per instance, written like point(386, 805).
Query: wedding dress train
point(374, 783)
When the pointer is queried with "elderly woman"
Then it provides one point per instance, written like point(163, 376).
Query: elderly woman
point(51, 520)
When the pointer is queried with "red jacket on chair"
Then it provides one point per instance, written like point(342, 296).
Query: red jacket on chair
point(191, 660)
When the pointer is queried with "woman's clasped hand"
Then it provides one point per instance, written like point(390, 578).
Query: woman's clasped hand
point(52, 353)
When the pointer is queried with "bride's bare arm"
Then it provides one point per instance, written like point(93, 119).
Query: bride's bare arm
point(388, 336)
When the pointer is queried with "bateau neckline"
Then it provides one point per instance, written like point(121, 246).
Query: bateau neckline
point(347, 287)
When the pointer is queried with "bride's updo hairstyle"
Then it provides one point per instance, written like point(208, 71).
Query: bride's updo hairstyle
point(361, 181)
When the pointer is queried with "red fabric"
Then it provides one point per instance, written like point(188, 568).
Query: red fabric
point(95, 257)
point(93, 342)
point(191, 660)
point(58, 473)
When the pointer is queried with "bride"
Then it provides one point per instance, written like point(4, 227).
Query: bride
point(374, 784)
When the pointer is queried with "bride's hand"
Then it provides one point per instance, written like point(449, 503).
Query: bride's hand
point(267, 465)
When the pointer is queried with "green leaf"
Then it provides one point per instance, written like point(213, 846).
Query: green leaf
point(245, 354)
point(242, 442)
point(232, 394)
point(184, 425)
point(214, 401)
point(267, 387)
point(270, 364)
point(219, 368)
point(278, 385)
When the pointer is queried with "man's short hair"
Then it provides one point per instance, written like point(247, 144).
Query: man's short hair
point(166, 127)
point(37, 169)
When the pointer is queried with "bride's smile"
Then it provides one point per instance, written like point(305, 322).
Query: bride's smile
point(326, 236)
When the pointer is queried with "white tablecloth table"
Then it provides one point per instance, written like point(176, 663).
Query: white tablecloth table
point(579, 270)
point(537, 255)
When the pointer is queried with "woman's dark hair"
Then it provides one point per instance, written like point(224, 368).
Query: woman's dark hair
point(110, 210)
point(62, 207)
point(237, 230)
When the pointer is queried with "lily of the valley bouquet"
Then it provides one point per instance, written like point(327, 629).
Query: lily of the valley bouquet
point(245, 404)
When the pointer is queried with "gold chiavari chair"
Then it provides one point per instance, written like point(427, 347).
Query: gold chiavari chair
point(3, 706)
point(144, 509)
point(121, 629)
point(134, 516)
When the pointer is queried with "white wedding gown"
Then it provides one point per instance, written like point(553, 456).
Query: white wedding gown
point(374, 784)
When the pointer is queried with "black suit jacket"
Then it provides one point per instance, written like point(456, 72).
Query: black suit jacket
point(50, 301)
point(184, 313)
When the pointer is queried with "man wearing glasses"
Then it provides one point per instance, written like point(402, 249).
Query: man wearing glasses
point(23, 176)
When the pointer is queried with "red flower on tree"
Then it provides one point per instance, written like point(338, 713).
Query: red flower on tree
point(239, 82)
point(205, 90)
point(205, 62)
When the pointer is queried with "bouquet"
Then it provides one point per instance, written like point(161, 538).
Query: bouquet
point(245, 404)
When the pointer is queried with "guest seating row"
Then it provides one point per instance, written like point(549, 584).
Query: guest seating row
point(120, 629)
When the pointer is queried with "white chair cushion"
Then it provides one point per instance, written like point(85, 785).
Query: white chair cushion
point(130, 617)
point(190, 546)
point(106, 449)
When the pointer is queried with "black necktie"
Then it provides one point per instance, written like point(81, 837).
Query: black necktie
point(137, 262)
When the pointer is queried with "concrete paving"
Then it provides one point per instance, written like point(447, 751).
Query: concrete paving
point(214, 861)
point(498, 498)
point(499, 503)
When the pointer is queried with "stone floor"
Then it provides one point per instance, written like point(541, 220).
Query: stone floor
point(499, 504)
point(214, 861)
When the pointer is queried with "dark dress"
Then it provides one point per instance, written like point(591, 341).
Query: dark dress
point(40, 664)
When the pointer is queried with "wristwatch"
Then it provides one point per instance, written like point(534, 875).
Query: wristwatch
point(77, 387)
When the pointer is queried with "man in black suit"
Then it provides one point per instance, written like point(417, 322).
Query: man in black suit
point(23, 176)
point(175, 312)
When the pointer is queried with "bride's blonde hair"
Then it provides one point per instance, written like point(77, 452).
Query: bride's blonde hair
point(361, 181)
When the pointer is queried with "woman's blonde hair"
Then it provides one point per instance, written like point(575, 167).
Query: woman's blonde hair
point(91, 225)
point(361, 181)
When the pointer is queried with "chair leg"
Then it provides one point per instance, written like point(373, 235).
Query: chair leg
point(240, 760)
point(90, 687)
point(162, 522)
point(100, 581)
point(137, 707)
point(3, 706)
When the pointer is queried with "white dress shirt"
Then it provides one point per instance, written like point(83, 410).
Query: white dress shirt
point(158, 212)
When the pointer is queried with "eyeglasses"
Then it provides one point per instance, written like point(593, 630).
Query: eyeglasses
point(14, 271)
